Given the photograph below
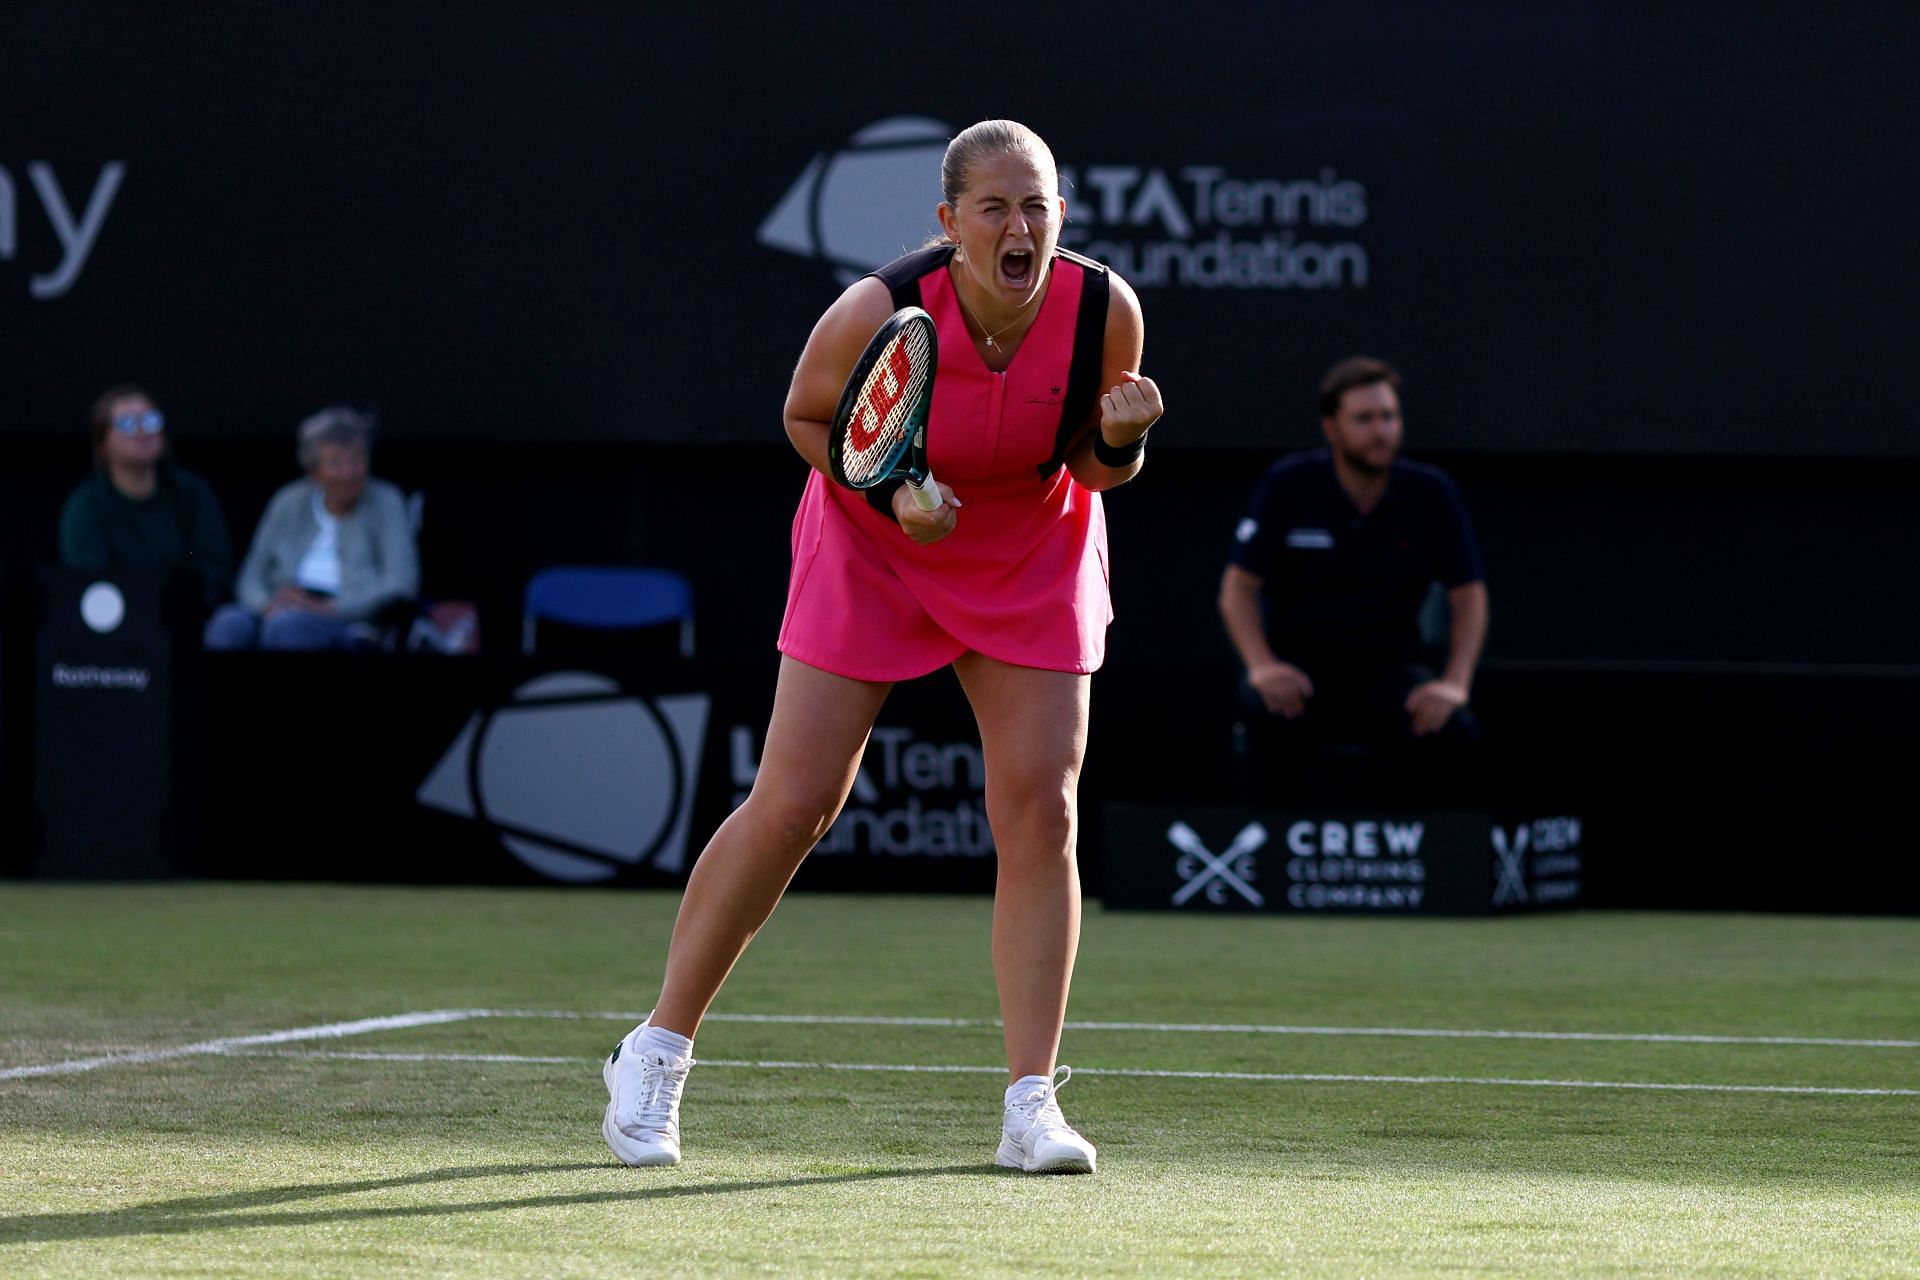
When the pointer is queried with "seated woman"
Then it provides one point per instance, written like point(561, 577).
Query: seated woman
point(140, 510)
point(333, 552)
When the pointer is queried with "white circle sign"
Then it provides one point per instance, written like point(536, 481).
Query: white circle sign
point(102, 607)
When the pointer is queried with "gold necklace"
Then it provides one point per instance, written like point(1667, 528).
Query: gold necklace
point(983, 329)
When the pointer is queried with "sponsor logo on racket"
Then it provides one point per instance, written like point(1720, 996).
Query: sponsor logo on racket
point(883, 393)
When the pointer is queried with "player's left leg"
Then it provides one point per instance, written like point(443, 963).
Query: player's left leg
point(1033, 730)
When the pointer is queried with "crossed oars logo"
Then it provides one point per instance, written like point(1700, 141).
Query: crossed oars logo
point(1214, 873)
point(1511, 882)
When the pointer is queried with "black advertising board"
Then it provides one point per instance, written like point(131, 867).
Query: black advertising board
point(586, 778)
point(117, 706)
point(16, 697)
point(507, 770)
point(1352, 862)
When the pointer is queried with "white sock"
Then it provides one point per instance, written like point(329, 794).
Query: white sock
point(1025, 1085)
point(670, 1044)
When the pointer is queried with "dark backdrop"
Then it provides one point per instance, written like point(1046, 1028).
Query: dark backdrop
point(1621, 228)
point(1646, 268)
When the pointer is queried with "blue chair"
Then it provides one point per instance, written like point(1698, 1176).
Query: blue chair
point(608, 599)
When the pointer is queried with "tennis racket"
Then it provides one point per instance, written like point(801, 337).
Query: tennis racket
point(879, 428)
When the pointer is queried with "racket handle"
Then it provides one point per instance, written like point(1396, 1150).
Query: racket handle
point(926, 494)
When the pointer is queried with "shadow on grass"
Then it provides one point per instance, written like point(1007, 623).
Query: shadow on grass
point(232, 1209)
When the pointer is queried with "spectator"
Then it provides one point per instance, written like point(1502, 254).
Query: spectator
point(140, 510)
point(1323, 595)
point(333, 554)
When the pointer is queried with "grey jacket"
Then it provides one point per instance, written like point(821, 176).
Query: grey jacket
point(378, 561)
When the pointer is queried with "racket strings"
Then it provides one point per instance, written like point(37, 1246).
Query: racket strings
point(889, 397)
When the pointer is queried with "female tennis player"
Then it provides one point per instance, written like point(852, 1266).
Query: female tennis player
point(1037, 406)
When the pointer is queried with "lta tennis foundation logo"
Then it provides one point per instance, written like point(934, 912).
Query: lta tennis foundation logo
point(1203, 225)
point(1208, 226)
point(866, 204)
point(579, 779)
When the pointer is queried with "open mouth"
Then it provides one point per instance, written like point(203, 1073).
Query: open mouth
point(1016, 268)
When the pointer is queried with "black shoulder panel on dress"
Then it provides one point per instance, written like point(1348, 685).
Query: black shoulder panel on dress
point(1089, 351)
point(902, 275)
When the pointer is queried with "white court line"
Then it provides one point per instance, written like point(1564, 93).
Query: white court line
point(428, 1017)
point(1648, 1037)
point(1280, 1077)
point(370, 1055)
point(1236, 1028)
point(324, 1031)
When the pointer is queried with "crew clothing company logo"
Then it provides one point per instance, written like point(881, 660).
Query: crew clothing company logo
point(1213, 874)
point(1538, 862)
point(1367, 865)
point(577, 778)
point(75, 237)
point(1196, 226)
point(1329, 864)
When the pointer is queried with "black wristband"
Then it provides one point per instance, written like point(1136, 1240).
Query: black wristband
point(880, 497)
point(1126, 455)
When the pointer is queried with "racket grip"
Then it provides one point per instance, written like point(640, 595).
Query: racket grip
point(926, 494)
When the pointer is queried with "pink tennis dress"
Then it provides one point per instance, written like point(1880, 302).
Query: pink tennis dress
point(1023, 576)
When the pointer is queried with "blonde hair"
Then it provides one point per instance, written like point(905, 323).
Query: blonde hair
point(989, 137)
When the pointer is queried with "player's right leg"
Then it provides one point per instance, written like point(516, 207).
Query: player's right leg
point(816, 736)
point(815, 739)
point(1033, 733)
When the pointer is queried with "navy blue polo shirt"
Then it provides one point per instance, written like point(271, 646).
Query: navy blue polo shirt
point(1337, 584)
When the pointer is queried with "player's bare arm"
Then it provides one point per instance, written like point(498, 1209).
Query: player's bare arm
point(832, 349)
point(1129, 404)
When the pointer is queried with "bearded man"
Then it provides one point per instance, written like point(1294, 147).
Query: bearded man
point(1324, 591)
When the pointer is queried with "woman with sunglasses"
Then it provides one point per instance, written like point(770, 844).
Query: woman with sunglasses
point(140, 510)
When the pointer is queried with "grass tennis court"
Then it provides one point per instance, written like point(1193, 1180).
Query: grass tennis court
point(1308, 1127)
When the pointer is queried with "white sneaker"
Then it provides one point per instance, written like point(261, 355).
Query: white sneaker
point(643, 1102)
point(1034, 1136)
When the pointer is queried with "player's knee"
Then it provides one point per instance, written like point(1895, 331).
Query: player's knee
point(794, 819)
point(1038, 819)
